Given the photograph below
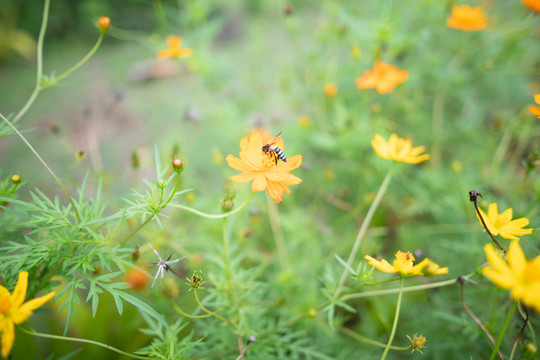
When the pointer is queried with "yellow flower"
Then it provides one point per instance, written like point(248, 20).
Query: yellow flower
point(175, 49)
point(503, 224)
point(403, 265)
point(356, 51)
point(14, 312)
point(261, 167)
point(534, 5)
point(330, 90)
point(398, 149)
point(536, 109)
point(522, 277)
point(467, 18)
point(383, 77)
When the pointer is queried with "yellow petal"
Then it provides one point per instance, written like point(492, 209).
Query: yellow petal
point(259, 183)
point(516, 258)
point(492, 229)
point(505, 216)
point(8, 337)
point(292, 163)
point(5, 301)
point(244, 177)
point(275, 191)
point(238, 164)
point(382, 265)
point(496, 262)
point(17, 298)
point(505, 281)
point(24, 312)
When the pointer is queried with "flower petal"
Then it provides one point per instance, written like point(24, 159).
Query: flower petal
point(275, 191)
point(8, 337)
point(382, 265)
point(516, 258)
point(259, 183)
point(244, 177)
point(19, 292)
point(24, 312)
point(238, 164)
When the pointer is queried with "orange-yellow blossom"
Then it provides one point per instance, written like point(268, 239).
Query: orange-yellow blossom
point(533, 5)
point(261, 168)
point(398, 149)
point(14, 312)
point(517, 274)
point(536, 109)
point(330, 89)
point(502, 224)
point(403, 265)
point(103, 24)
point(383, 77)
point(175, 49)
point(467, 18)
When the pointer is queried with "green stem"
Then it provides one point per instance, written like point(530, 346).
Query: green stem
point(368, 340)
point(503, 330)
point(213, 313)
point(182, 312)
point(39, 61)
point(81, 62)
point(56, 337)
point(226, 253)
point(394, 326)
point(362, 231)
point(45, 165)
point(277, 231)
point(211, 216)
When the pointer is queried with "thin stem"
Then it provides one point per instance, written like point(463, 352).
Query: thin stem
point(475, 318)
point(56, 337)
point(211, 216)
point(357, 336)
point(46, 167)
point(39, 60)
point(525, 322)
point(277, 231)
point(503, 330)
point(394, 326)
point(485, 226)
point(363, 230)
point(81, 62)
point(226, 253)
point(182, 312)
point(213, 313)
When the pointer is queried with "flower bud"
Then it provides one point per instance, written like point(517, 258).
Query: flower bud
point(196, 280)
point(311, 313)
point(417, 342)
point(16, 179)
point(103, 24)
point(529, 350)
point(178, 165)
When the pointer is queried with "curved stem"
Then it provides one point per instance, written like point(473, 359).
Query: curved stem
point(81, 62)
point(39, 60)
point(56, 337)
point(213, 313)
point(363, 230)
point(503, 330)
point(485, 226)
point(357, 336)
point(182, 312)
point(394, 326)
point(211, 216)
point(45, 165)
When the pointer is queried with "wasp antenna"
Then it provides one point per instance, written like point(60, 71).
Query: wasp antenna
point(281, 132)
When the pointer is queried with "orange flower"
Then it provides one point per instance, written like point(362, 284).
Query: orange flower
point(382, 77)
point(103, 24)
point(536, 109)
point(534, 5)
point(330, 90)
point(467, 18)
point(262, 168)
point(175, 49)
point(138, 279)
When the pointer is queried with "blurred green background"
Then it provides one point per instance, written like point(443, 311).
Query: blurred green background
point(264, 64)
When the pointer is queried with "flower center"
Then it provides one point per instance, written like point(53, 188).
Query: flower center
point(500, 221)
point(269, 160)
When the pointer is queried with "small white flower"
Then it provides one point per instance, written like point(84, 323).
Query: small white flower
point(163, 265)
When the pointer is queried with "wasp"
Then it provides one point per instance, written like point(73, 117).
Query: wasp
point(273, 150)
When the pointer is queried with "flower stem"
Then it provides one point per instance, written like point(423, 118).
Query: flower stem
point(56, 337)
point(394, 326)
point(39, 61)
point(81, 62)
point(357, 336)
point(485, 226)
point(275, 224)
point(363, 230)
point(213, 313)
point(45, 165)
point(211, 216)
point(503, 330)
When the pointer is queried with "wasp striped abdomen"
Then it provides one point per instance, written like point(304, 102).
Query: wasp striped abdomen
point(274, 151)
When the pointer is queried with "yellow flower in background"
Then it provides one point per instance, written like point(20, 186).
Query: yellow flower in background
point(398, 149)
point(533, 5)
point(404, 265)
point(356, 51)
point(175, 49)
point(536, 109)
point(502, 224)
point(517, 274)
point(261, 168)
point(14, 312)
point(467, 18)
point(383, 77)
point(330, 90)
